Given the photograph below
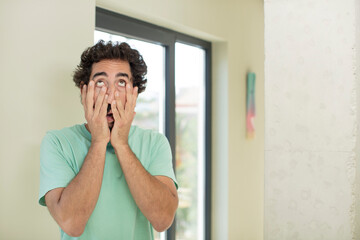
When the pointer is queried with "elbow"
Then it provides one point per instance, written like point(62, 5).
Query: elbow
point(163, 224)
point(160, 229)
point(163, 221)
point(70, 221)
point(74, 232)
point(73, 228)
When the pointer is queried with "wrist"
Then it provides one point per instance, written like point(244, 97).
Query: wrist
point(121, 148)
point(99, 143)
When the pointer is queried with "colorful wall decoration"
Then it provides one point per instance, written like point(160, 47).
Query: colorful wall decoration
point(250, 105)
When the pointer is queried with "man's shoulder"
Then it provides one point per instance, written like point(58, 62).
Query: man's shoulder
point(146, 134)
point(66, 133)
point(67, 140)
point(147, 140)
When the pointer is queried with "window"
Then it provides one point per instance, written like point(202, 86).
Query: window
point(189, 125)
point(176, 102)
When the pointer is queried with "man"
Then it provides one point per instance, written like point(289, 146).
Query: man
point(107, 179)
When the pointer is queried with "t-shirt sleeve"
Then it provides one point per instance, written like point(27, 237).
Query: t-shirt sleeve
point(55, 170)
point(161, 159)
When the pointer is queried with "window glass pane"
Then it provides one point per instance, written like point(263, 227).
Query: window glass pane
point(150, 104)
point(190, 167)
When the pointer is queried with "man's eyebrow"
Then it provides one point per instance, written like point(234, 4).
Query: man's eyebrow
point(120, 74)
point(99, 74)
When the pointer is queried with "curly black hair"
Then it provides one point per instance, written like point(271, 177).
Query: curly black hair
point(109, 51)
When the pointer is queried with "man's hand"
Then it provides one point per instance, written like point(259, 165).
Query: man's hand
point(96, 116)
point(155, 196)
point(123, 116)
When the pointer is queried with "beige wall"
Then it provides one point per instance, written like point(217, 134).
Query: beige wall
point(312, 101)
point(42, 97)
point(357, 148)
point(41, 42)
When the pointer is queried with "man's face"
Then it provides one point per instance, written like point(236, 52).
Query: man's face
point(114, 75)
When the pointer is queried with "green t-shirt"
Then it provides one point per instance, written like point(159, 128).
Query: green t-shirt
point(116, 215)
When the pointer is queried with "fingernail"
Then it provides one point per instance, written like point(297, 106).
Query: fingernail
point(103, 89)
point(113, 102)
point(128, 86)
point(106, 96)
point(117, 94)
point(91, 83)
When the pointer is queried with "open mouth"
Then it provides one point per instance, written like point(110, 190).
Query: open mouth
point(109, 116)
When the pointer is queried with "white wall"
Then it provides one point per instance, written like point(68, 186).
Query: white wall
point(40, 44)
point(357, 148)
point(311, 119)
point(42, 96)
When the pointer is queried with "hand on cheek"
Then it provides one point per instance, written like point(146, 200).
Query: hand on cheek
point(119, 98)
point(95, 113)
point(96, 94)
point(123, 115)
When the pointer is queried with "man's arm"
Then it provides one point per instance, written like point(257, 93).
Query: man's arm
point(156, 196)
point(71, 207)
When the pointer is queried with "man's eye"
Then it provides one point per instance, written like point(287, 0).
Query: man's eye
point(122, 83)
point(99, 84)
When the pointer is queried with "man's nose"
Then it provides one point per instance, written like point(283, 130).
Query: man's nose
point(111, 94)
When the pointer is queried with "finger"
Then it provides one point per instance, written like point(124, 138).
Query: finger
point(83, 101)
point(120, 107)
point(115, 112)
point(118, 99)
point(129, 106)
point(83, 95)
point(100, 100)
point(103, 110)
point(90, 98)
point(135, 96)
point(129, 97)
point(133, 100)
